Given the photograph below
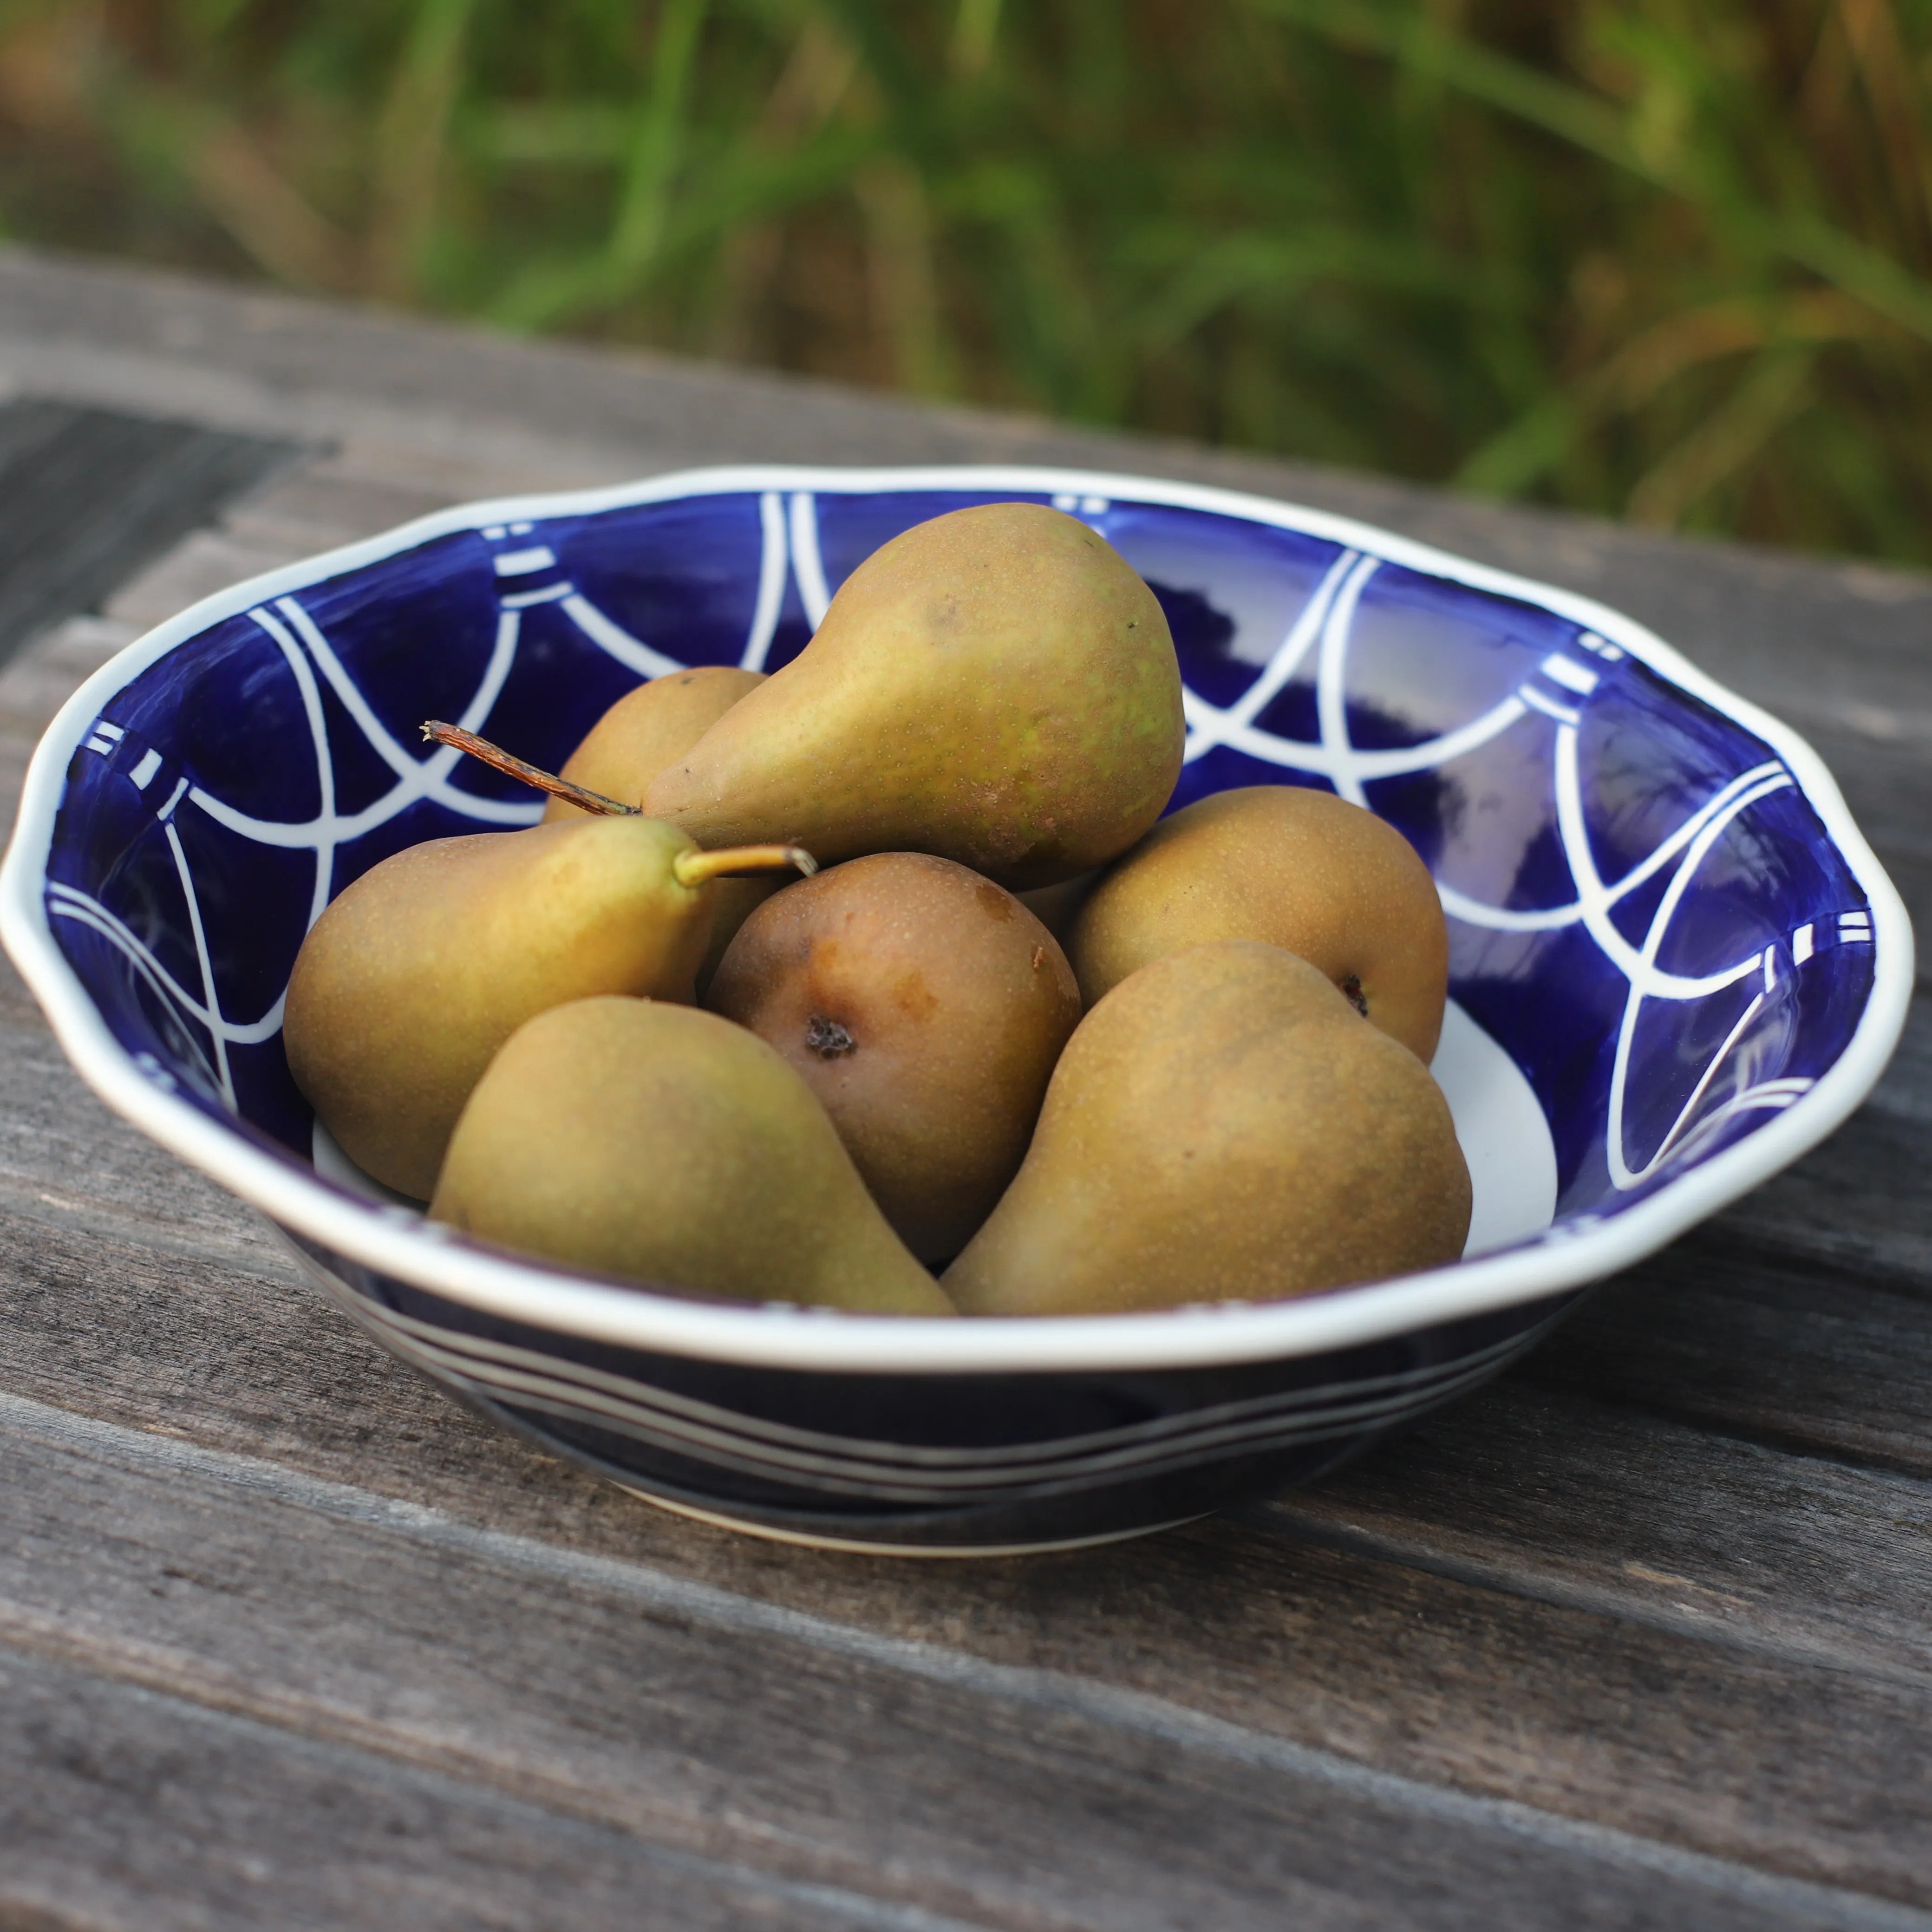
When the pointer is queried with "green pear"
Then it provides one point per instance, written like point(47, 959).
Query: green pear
point(419, 972)
point(645, 730)
point(648, 728)
point(1292, 867)
point(1223, 1125)
point(665, 1145)
point(925, 1006)
point(996, 686)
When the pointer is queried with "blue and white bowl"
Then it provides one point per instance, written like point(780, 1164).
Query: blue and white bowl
point(1675, 967)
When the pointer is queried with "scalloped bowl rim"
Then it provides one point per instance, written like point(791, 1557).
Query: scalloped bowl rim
point(400, 1242)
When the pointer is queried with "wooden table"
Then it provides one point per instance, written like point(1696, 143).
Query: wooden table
point(1639, 1635)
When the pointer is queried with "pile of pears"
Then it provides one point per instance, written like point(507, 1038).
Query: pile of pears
point(881, 983)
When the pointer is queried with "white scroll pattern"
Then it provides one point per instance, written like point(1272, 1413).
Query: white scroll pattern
point(528, 574)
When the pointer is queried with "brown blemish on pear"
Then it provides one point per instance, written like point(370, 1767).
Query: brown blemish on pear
point(1221, 1126)
point(913, 997)
point(926, 1020)
point(996, 686)
point(646, 730)
point(996, 903)
point(1292, 867)
point(662, 1145)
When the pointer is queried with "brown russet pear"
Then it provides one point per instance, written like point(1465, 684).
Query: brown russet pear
point(646, 730)
point(1223, 1125)
point(925, 1006)
point(1293, 868)
point(420, 970)
point(663, 1144)
point(996, 686)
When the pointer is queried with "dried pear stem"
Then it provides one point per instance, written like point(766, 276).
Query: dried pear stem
point(499, 759)
point(693, 867)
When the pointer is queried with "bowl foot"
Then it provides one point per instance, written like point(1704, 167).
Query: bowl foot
point(862, 1546)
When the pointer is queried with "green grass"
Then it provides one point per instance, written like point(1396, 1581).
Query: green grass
point(1666, 259)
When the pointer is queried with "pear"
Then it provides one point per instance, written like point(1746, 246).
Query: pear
point(925, 1006)
point(996, 686)
point(1056, 906)
point(650, 728)
point(420, 970)
point(646, 730)
point(1292, 867)
point(665, 1145)
point(1222, 1125)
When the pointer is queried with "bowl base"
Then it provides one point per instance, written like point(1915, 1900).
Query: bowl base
point(863, 1546)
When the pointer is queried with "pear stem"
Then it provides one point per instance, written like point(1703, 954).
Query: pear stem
point(499, 759)
point(694, 868)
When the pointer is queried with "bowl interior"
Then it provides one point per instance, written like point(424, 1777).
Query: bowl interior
point(1656, 945)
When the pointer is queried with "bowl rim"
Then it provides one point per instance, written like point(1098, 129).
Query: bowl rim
point(397, 1242)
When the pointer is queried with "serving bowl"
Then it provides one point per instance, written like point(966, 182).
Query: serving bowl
point(1674, 966)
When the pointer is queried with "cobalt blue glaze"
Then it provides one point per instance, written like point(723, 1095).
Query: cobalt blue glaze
point(227, 790)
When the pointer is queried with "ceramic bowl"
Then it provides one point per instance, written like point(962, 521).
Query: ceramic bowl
point(1674, 966)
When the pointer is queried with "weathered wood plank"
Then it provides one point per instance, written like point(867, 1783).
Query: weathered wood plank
point(1547, 1493)
point(1793, 1353)
point(339, 498)
point(92, 493)
point(129, 1807)
point(920, 1775)
point(209, 561)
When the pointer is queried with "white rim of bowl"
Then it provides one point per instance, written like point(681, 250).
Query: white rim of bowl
point(783, 1335)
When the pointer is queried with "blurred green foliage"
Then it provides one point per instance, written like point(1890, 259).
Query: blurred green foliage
point(1669, 259)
